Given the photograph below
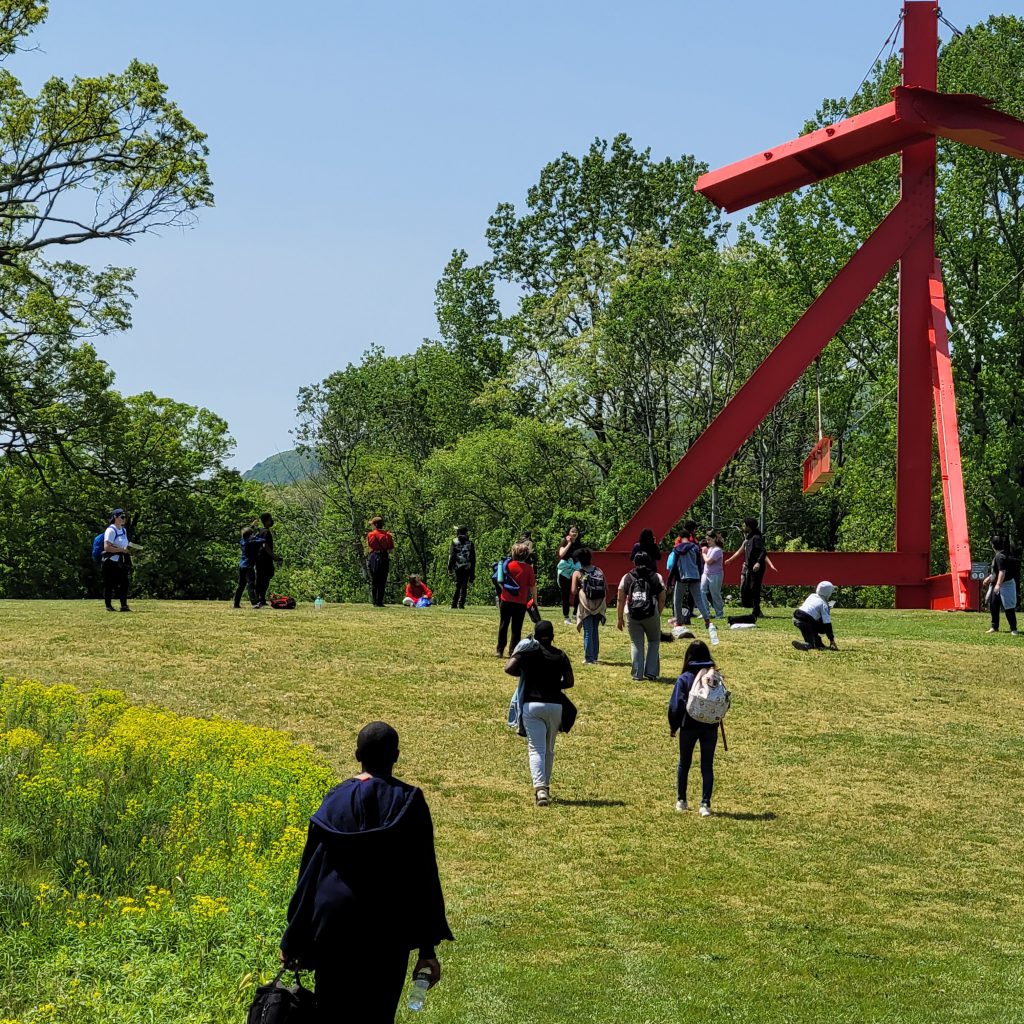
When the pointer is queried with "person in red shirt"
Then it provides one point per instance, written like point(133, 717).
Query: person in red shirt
point(415, 592)
point(380, 543)
point(517, 591)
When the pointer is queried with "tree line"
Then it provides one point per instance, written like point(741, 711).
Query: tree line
point(636, 312)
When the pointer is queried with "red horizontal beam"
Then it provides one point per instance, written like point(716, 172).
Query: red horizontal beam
point(914, 115)
point(809, 568)
point(961, 117)
point(821, 154)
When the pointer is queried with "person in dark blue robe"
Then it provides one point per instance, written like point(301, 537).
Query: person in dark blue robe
point(368, 890)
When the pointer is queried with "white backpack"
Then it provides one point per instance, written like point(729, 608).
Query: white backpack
point(709, 700)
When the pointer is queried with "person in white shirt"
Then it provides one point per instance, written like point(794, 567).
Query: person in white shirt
point(114, 566)
point(814, 620)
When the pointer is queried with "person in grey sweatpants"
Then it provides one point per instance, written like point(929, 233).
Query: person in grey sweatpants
point(642, 595)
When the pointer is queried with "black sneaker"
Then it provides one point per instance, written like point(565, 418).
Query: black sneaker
point(109, 608)
point(125, 608)
point(801, 647)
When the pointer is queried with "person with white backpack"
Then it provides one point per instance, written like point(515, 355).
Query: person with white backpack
point(699, 703)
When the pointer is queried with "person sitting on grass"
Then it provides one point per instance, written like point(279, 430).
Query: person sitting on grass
point(417, 593)
point(814, 620)
point(368, 890)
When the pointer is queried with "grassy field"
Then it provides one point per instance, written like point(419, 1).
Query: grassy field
point(865, 861)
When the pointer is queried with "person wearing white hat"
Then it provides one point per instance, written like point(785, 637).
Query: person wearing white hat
point(813, 619)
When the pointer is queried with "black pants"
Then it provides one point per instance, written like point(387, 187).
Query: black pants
point(565, 586)
point(692, 733)
point(378, 564)
point(751, 591)
point(995, 604)
point(461, 587)
point(264, 573)
point(363, 988)
point(512, 614)
point(812, 630)
point(246, 578)
point(115, 581)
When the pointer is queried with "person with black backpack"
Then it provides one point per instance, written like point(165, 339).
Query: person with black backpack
point(642, 596)
point(462, 565)
point(589, 592)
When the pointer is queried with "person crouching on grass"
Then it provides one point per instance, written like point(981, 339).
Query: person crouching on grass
point(417, 593)
point(813, 619)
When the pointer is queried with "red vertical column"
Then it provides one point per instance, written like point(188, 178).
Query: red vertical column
point(914, 412)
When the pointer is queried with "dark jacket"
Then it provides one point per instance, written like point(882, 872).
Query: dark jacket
point(368, 876)
point(754, 553)
point(680, 693)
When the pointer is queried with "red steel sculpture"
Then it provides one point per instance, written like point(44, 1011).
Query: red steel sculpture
point(908, 125)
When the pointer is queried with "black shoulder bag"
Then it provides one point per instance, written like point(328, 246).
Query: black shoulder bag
point(275, 1003)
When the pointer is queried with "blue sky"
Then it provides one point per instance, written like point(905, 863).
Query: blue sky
point(354, 146)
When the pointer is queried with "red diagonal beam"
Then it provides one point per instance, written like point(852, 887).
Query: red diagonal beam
point(776, 375)
point(948, 434)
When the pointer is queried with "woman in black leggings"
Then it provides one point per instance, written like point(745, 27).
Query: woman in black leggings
point(691, 732)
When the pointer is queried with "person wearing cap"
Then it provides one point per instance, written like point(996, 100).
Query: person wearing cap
point(545, 671)
point(814, 620)
point(114, 566)
point(368, 890)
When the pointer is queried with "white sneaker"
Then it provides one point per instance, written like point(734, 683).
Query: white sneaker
point(568, 622)
point(991, 630)
point(682, 805)
point(705, 811)
point(1014, 632)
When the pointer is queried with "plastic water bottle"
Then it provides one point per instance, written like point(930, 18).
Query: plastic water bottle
point(418, 990)
point(713, 634)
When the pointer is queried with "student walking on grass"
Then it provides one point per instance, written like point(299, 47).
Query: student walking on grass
point(368, 890)
point(545, 672)
point(1002, 584)
point(691, 732)
point(589, 593)
point(685, 566)
point(642, 597)
point(714, 573)
point(518, 589)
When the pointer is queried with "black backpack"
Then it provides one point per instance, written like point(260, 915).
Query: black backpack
point(279, 1004)
point(462, 555)
point(640, 598)
point(593, 584)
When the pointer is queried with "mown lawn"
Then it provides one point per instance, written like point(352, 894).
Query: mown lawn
point(865, 861)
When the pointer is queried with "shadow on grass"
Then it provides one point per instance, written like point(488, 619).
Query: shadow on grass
point(747, 815)
point(590, 803)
